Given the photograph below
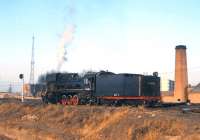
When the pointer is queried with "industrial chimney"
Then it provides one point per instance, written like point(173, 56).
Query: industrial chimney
point(181, 75)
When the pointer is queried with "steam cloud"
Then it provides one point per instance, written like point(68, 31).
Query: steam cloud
point(65, 41)
point(66, 38)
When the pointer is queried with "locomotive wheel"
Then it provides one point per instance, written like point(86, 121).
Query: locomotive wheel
point(69, 100)
point(64, 100)
point(75, 100)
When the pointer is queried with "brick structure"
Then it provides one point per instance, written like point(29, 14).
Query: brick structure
point(181, 75)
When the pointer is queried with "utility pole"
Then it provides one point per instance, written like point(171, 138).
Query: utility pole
point(10, 88)
point(31, 81)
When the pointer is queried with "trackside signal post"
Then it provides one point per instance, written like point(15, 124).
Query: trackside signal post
point(21, 76)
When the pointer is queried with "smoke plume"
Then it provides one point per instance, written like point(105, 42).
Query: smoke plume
point(67, 37)
point(65, 41)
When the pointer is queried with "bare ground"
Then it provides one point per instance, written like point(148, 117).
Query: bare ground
point(34, 121)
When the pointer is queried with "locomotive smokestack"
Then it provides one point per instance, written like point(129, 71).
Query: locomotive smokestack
point(181, 75)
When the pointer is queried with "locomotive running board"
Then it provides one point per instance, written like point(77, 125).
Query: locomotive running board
point(130, 97)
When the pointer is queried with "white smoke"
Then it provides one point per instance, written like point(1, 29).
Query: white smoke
point(65, 41)
point(67, 37)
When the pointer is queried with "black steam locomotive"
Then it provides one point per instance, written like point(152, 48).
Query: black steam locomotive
point(101, 88)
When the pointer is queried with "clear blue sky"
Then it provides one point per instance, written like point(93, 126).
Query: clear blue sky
point(132, 36)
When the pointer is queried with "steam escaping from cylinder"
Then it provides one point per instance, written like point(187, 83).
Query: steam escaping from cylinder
point(65, 41)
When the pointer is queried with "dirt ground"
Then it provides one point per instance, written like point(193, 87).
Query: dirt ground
point(32, 120)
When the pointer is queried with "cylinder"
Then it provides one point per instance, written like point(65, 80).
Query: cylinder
point(181, 75)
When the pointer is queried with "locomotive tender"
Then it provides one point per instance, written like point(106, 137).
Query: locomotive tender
point(101, 88)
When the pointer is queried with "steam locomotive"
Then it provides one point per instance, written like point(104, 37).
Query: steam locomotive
point(101, 88)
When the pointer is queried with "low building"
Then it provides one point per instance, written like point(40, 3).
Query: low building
point(167, 85)
point(194, 94)
point(33, 89)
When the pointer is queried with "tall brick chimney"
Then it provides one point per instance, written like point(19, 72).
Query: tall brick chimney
point(181, 75)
